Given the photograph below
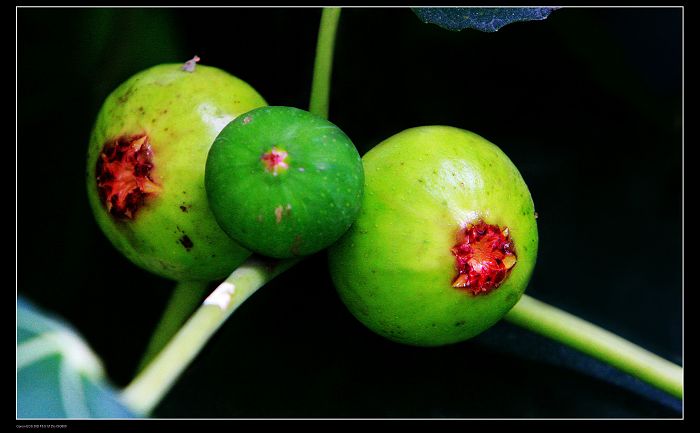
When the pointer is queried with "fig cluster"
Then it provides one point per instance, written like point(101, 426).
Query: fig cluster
point(432, 233)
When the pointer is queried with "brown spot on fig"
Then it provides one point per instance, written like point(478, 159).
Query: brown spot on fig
point(186, 242)
point(278, 214)
point(281, 211)
point(296, 245)
point(125, 97)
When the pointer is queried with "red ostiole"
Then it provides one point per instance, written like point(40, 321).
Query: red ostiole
point(484, 256)
point(274, 160)
point(124, 175)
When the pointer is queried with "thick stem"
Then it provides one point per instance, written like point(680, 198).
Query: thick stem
point(184, 300)
point(321, 85)
point(597, 342)
point(149, 387)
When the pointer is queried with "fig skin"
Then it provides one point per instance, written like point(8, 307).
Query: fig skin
point(174, 234)
point(394, 268)
point(291, 207)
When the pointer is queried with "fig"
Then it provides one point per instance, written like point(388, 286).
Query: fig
point(446, 240)
point(145, 168)
point(284, 182)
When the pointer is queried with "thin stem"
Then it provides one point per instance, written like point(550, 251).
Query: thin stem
point(151, 385)
point(183, 301)
point(321, 85)
point(592, 340)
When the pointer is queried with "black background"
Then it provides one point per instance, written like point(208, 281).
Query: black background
point(588, 105)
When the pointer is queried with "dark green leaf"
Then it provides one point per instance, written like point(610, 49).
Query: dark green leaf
point(484, 19)
point(58, 375)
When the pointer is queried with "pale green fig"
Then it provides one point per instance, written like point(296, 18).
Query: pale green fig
point(145, 168)
point(446, 240)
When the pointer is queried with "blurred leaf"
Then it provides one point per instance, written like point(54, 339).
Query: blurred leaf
point(58, 375)
point(484, 19)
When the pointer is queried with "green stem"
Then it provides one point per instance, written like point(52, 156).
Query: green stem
point(321, 85)
point(151, 385)
point(598, 343)
point(186, 295)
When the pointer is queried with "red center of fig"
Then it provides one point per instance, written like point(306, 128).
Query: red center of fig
point(484, 254)
point(124, 177)
point(274, 161)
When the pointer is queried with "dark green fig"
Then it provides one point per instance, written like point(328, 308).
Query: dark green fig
point(446, 240)
point(145, 168)
point(284, 182)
